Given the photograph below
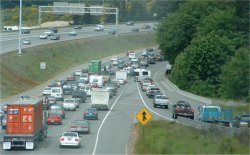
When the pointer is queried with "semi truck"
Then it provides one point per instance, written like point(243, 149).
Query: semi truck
point(100, 99)
point(95, 66)
point(26, 124)
point(215, 115)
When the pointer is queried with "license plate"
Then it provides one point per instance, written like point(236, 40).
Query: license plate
point(52, 120)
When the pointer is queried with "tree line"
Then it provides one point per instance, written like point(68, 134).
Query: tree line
point(137, 10)
point(208, 44)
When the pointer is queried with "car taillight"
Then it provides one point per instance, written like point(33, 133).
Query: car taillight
point(61, 139)
point(95, 113)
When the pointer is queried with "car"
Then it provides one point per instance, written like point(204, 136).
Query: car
point(242, 120)
point(80, 126)
point(145, 26)
point(135, 29)
point(112, 31)
point(46, 91)
point(51, 100)
point(23, 97)
point(144, 85)
point(121, 81)
point(150, 88)
point(87, 89)
point(27, 42)
point(77, 27)
point(49, 32)
point(26, 31)
point(43, 36)
point(143, 62)
point(54, 118)
point(153, 93)
point(129, 51)
point(72, 33)
point(90, 113)
point(130, 23)
point(55, 37)
point(53, 29)
point(77, 72)
point(57, 92)
point(99, 28)
point(80, 95)
point(161, 101)
point(70, 138)
point(69, 104)
point(182, 108)
point(115, 62)
point(59, 109)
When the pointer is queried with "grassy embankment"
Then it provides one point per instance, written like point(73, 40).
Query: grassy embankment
point(162, 137)
point(22, 73)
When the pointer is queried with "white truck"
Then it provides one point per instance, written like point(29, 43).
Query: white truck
point(98, 79)
point(141, 74)
point(121, 76)
point(100, 99)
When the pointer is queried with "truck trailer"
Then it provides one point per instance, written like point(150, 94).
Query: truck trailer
point(26, 124)
point(100, 99)
point(215, 115)
point(121, 75)
point(95, 66)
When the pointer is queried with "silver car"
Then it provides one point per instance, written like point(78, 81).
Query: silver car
point(69, 104)
point(161, 101)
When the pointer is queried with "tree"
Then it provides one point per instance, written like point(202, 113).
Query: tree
point(235, 76)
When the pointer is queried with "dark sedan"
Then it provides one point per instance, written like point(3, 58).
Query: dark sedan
point(80, 126)
point(90, 113)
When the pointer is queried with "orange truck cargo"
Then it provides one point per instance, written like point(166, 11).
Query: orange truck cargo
point(25, 124)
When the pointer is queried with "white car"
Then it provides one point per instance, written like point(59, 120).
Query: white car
point(27, 42)
point(121, 81)
point(99, 28)
point(78, 73)
point(113, 58)
point(161, 101)
point(43, 36)
point(69, 104)
point(70, 139)
point(47, 91)
point(135, 59)
point(49, 32)
point(72, 33)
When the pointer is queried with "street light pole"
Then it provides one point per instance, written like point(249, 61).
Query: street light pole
point(20, 28)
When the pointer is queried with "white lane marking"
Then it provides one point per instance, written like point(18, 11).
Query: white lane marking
point(98, 132)
point(150, 108)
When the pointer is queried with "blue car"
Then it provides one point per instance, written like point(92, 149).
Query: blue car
point(90, 113)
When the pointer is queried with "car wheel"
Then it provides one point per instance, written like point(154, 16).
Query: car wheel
point(166, 107)
point(192, 117)
point(61, 146)
point(175, 116)
point(154, 105)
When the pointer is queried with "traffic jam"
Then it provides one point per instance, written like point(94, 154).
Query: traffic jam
point(27, 121)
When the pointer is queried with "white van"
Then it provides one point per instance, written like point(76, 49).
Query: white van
point(99, 80)
point(57, 92)
point(99, 28)
point(131, 55)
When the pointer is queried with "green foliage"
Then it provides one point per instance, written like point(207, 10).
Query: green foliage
point(235, 76)
point(162, 137)
point(199, 39)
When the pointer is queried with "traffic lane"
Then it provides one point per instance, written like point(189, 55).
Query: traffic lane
point(172, 93)
point(119, 122)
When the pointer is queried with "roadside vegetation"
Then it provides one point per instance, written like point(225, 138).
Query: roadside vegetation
point(208, 44)
point(19, 73)
point(163, 137)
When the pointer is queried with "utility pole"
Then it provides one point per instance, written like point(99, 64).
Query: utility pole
point(20, 28)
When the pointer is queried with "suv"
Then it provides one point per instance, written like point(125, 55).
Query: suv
point(182, 108)
point(55, 37)
point(80, 95)
point(242, 121)
point(25, 31)
point(54, 29)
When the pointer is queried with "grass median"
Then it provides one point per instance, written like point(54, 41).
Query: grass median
point(162, 137)
point(20, 73)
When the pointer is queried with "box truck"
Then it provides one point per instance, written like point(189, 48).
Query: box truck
point(100, 99)
point(26, 124)
point(121, 75)
point(95, 66)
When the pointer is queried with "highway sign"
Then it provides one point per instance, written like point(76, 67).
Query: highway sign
point(143, 116)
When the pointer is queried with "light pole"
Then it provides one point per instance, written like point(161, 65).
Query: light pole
point(20, 28)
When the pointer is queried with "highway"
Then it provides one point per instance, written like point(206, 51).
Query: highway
point(111, 134)
point(9, 41)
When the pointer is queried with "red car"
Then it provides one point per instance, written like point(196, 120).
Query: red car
point(182, 108)
point(54, 118)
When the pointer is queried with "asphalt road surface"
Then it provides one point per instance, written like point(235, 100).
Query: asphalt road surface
point(111, 134)
point(9, 41)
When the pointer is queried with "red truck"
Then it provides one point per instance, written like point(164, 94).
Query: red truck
point(25, 124)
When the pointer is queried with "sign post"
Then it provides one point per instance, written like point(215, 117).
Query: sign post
point(143, 116)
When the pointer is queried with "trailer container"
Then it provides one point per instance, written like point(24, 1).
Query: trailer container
point(94, 66)
point(25, 124)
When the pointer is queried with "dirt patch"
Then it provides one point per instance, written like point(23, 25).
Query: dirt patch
point(133, 138)
point(53, 24)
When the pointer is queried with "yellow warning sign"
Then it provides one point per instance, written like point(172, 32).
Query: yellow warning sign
point(143, 116)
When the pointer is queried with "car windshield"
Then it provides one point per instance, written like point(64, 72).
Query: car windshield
point(53, 114)
point(81, 122)
point(245, 118)
point(91, 110)
point(69, 100)
point(70, 134)
point(161, 97)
